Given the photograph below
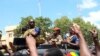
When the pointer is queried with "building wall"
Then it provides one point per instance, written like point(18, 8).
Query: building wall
point(9, 35)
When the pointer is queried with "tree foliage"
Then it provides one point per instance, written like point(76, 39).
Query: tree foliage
point(44, 24)
point(23, 23)
point(63, 23)
point(85, 27)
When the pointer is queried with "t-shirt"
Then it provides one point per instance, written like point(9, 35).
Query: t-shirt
point(74, 39)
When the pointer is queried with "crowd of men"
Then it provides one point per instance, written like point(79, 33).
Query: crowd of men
point(74, 38)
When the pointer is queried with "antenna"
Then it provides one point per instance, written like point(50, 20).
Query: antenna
point(79, 9)
point(39, 7)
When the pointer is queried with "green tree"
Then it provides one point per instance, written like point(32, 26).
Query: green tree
point(44, 24)
point(24, 21)
point(62, 23)
point(85, 27)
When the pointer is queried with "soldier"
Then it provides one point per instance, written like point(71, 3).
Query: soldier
point(57, 38)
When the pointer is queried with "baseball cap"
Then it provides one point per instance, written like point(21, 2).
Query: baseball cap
point(56, 28)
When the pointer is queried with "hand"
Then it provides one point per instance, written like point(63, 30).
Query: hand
point(64, 41)
point(68, 41)
point(31, 43)
point(75, 28)
point(94, 33)
point(30, 40)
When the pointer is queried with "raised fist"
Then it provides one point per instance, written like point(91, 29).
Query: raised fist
point(94, 32)
point(75, 28)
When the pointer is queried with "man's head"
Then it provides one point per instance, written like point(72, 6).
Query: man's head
point(71, 32)
point(56, 30)
point(31, 23)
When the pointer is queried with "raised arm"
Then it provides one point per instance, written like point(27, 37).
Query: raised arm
point(96, 42)
point(84, 51)
point(31, 43)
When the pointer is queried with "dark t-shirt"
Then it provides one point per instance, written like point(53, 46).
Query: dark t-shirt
point(74, 39)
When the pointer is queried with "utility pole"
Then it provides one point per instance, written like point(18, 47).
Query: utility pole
point(39, 7)
point(79, 9)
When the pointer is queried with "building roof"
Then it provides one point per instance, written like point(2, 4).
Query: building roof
point(10, 28)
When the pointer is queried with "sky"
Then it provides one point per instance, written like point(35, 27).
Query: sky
point(11, 11)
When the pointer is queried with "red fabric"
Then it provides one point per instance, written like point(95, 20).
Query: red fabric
point(56, 28)
point(68, 54)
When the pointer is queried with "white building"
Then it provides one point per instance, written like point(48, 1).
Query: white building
point(10, 31)
point(9, 35)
